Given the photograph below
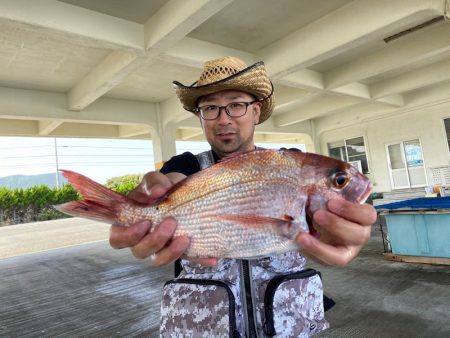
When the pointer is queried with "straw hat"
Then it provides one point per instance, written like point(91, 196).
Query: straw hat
point(229, 73)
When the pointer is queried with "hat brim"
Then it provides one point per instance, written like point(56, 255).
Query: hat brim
point(252, 80)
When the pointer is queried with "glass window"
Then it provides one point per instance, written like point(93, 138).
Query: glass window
point(337, 150)
point(396, 156)
point(351, 150)
point(447, 131)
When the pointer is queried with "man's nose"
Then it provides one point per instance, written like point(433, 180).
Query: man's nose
point(223, 116)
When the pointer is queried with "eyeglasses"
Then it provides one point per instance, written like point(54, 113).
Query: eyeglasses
point(233, 109)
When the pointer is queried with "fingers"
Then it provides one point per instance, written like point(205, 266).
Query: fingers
point(363, 214)
point(156, 240)
point(171, 252)
point(344, 223)
point(158, 244)
point(325, 253)
point(334, 229)
point(153, 186)
point(123, 237)
point(343, 230)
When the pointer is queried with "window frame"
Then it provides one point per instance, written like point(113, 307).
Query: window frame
point(345, 140)
point(447, 137)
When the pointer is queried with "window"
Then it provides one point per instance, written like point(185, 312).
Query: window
point(350, 150)
point(447, 131)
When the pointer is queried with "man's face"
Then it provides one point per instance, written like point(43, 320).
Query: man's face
point(226, 134)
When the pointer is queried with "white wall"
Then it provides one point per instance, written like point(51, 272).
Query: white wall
point(425, 124)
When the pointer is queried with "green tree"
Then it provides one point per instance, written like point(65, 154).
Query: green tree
point(124, 184)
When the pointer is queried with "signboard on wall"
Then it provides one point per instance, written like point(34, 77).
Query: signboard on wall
point(413, 153)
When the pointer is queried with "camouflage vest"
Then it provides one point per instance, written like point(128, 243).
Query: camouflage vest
point(272, 296)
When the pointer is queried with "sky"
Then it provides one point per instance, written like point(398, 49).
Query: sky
point(99, 159)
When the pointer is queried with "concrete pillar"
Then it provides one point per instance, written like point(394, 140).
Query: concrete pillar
point(164, 146)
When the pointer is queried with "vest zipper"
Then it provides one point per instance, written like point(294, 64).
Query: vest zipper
point(247, 297)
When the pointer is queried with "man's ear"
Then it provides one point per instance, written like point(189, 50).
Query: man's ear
point(200, 119)
point(257, 111)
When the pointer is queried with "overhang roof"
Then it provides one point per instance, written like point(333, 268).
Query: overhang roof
point(68, 66)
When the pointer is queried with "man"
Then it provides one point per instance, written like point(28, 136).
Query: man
point(229, 297)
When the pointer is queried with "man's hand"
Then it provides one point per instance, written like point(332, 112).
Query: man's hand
point(343, 230)
point(157, 243)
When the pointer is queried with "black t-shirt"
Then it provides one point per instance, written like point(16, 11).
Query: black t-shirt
point(185, 164)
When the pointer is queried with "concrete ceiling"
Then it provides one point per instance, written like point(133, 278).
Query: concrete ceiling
point(107, 65)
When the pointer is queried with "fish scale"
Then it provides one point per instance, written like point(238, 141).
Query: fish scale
point(249, 205)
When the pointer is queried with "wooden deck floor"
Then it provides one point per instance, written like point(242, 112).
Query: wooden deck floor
point(89, 290)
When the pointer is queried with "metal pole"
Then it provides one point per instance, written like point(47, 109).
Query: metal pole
point(57, 164)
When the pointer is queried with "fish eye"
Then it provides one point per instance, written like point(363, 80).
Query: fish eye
point(340, 180)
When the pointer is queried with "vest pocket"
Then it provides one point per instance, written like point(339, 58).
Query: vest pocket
point(198, 308)
point(293, 304)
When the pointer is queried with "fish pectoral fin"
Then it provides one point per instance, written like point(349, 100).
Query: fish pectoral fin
point(282, 226)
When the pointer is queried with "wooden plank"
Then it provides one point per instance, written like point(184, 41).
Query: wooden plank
point(416, 259)
point(87, 290)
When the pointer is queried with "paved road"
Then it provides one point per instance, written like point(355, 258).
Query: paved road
point(84, 290)
point(41, 236)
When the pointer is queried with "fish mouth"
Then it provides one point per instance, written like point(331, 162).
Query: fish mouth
point(363, 197)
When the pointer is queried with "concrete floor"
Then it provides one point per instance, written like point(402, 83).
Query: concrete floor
point(379, 298)
point(92, 290)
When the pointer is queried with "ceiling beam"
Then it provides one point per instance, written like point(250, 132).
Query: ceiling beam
point(99, 29)
point(171, 111)
point(304, 79)
point(87, 130)
point(280, 137)
point(395, 100)
point(42, 105)
point(45, 127)
point(428, 96)
point(314, 82)
point(418, 78)
point(409, 50)
point(293, 104)
point(193, 53)
point(318, 41)
point(165, 28)
point(355, 89)
point(176, 19)
point(126, 131)
point(10, 127)
point(189, 134)
point(323, 105)
point(102, 78)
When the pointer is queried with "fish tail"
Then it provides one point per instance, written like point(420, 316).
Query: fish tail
point(98, 203)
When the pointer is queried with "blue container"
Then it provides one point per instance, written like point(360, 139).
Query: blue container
point(419, 233)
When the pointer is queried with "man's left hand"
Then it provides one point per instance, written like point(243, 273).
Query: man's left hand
point(343, 229)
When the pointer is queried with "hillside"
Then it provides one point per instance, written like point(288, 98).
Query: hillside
point(26, 181)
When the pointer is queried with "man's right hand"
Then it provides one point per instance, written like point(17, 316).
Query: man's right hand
point(159, 244)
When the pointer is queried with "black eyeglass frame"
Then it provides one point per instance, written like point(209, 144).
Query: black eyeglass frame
point(225, 108)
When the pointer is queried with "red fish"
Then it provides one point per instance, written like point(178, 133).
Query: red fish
point(249, 205)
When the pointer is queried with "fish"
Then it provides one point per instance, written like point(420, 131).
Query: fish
point(249, 205)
